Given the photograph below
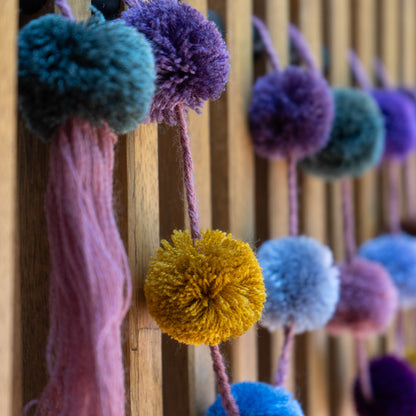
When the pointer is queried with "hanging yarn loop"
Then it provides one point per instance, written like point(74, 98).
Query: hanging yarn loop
point(302, 47)
point(291, 110)
point(192, 60)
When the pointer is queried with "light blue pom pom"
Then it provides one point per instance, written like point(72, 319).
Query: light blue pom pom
point(397, 253)
point(302, 283)
point(255, 399)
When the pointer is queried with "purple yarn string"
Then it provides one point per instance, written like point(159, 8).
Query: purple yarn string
point(364, 370)
point(381, 74)
point(358, 71)
point(400, 338)
point(284, 359)
point(267, 41)
point(188, 175)
point(90, 286)
point(394, 208)
point(224, 389)
point(348, 219)
point(410, 191)
point(65, 9)
point(302, 47)
point(293, 197)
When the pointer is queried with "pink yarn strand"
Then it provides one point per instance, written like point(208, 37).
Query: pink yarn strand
point(394, 204)
point(302, 47)
point(227, 400)
point(65, 9)
point(284, 359)
point(364, 370)
point(293, 196)
point(358, 71)
point(348, 219)
point(90, 286)
point(400, 338)
point(267, 41)
point(188, 175)
point(382, 74)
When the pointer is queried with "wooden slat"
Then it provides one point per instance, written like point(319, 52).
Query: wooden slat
point(342, 367)
point(145, 360)
point(232, 164)
point(311, 349)
point(388, 50)
point(8, 287)
point(366, 200)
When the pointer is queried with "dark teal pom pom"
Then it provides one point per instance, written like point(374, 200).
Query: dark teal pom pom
point(357, 137)
point(95, 70)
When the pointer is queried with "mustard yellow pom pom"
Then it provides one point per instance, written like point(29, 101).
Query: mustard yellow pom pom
point(205, 292)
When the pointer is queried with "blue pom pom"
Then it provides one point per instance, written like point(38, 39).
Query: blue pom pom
point(302, 284)
point(96, 70)
point(255, 398)
point(397, 253)
point(357, 137)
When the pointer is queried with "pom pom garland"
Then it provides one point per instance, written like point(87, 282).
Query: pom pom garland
point(301, 282)
point(192, 286)
point(368, 299)
point(399, 122)
point(191, 56)
point(254, 398)
point(397, 253)
point(393, 385)
point(357, 138)
point(67, 69)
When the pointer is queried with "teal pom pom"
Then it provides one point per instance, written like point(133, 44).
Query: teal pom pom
point(96, 70)
point(357, 137)
point(254, 398)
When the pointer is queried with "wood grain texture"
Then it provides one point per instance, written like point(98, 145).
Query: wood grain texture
point(145, 353)
point(232, 166)
point(342, 363)
point(8, 287)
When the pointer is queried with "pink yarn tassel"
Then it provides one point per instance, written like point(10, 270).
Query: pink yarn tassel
point(90, 285)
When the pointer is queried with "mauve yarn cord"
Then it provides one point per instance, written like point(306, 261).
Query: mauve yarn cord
point(267, 41)
point(90, 286)
point(381, 74)
point(223, 384)
point(358, 71)
point(65, 9)
point(302, 47)
point(350, 251)
point(289, 331)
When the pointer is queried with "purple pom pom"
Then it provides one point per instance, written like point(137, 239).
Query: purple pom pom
point(192, 61)
point(393, 386)
point(399, 122)
point(368, 299)
point(291, 113)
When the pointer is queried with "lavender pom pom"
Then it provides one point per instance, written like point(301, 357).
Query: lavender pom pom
point(291, 113)
point(368, 299)
point(399, 121)
point(393, 386)
point(192, 61)
point(302, 284)
point(397, 253)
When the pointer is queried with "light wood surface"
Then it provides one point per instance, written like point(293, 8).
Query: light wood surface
point(8, 287)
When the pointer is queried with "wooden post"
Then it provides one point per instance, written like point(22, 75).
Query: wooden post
point(8, 67)
point(232, 166)
point(342, 367)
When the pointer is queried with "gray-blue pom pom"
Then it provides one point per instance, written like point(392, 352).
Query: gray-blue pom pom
point(302, 284)
point(96, 70)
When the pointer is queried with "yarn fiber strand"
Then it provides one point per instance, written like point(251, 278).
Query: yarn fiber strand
point(348, 219)
point(302, 46)
point(90, 285)
point(358, 71)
